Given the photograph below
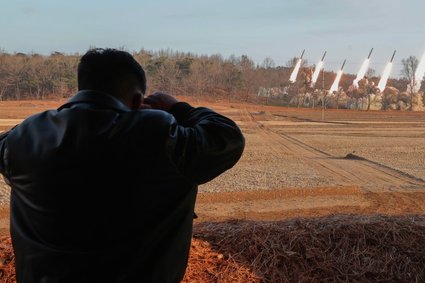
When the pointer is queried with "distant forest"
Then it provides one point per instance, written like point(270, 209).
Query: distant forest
point(34, 76)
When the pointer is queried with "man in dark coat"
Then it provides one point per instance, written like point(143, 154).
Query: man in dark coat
point(103, 188)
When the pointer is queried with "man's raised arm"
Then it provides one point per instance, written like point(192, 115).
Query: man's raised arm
point(202, 143)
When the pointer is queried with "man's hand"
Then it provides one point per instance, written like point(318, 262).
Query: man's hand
point(159, 100)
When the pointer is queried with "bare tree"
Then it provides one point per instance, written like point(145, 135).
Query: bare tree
point(268, 63)
point(408, 72)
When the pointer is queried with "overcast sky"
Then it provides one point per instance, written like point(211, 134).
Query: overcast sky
point(259, 29)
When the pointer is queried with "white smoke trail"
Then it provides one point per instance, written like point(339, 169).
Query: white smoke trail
point(362, 72)
point(335, 85)
point(316, 73)
point(385, 75)
point(419, 74)
point(293, 77)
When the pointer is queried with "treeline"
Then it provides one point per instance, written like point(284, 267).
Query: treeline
point(33, 76)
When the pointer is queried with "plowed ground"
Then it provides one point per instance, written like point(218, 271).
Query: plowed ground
point(295, 164)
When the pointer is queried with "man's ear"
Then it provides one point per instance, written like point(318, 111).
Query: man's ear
point(136, 101)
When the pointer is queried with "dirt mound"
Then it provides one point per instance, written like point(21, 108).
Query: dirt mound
point(328, 249)
point(352, 156)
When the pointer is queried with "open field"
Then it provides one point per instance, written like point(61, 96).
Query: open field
point(295, 165)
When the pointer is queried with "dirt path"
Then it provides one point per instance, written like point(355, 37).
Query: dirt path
point(289, 203)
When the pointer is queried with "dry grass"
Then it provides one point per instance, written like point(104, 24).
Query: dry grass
point(328, 249)
point(7, 261)
point(208, 265)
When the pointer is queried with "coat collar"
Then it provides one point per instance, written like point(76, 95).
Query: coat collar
point(95, 97)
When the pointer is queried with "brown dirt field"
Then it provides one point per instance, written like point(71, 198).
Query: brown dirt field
point(295, 164)
point(291, 203)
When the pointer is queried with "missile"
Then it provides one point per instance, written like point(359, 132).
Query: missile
point(343, 64)
point(323, 57)
point(370, 53)
point(393, 56)
point(302, 54)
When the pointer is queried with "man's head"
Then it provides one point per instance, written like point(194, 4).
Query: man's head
point(115, 72)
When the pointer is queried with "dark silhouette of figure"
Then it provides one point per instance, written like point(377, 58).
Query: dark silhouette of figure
point(103, 188)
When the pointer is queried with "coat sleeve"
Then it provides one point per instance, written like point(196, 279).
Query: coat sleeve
point(203, 144)
point(3, 157)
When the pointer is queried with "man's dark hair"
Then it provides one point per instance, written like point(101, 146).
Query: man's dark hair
point(106, 69)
